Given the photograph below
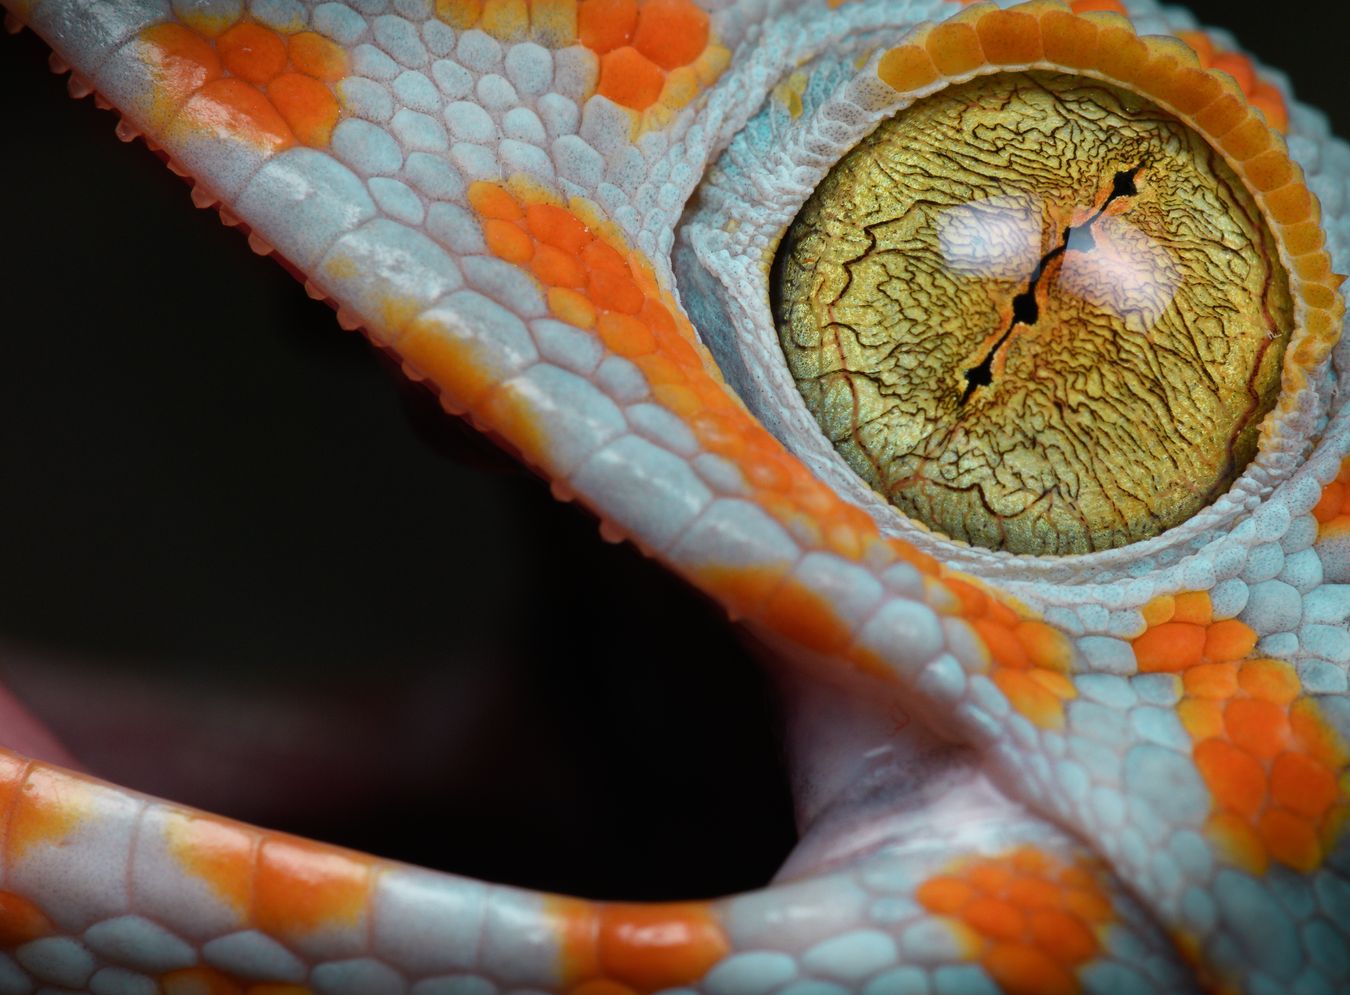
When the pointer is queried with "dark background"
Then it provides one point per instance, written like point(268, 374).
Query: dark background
point(244, 566)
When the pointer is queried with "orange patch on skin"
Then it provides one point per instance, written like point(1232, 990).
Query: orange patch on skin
point(216, 851)
point(672, 33)
point(610, 949)
point(181, 62)
point(47, 808)
point(255, 54)
point(21, 921)
point(250, 83)
point(1333, 509)
point(300, 887)
point(630, 79)
point(316, 56)
point(232, 108)
point(1271, 761)
point(644, 47)
point(1030, 918)
point(199, 981)
point(308, 107)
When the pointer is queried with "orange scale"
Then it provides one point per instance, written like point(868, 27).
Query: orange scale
point(600, 255)
point(944, 895)
point(1023, 970)
point(252, 52)
point(198, 981)
point(1236, 779)
point(1068, 41)
point(1088, 6)
point(767, 474)
point(314, 55)
point(1056, 683)
point(613, 292)
point(1290, 204)
point(299, 886)
point(490, 201)
point(1045, 646)
point(181, 60)
point(907, 68)
point(1259, 727)
point(21, 921)
point(1329, 506)
point(1303, 785)
point(630, 79)
point(1344, 475)
point(1211, 680)
point(625, 335)
point(1229, 640)
point(1088, 903)
point(1314, 736)
point(1001, 614)
point(1203, 719)
point(1269, 680)
point(1194, 607)
point(308, 106)
point(507, 240)
point(1239, 840)
point(601, 986)
point(1235, 65)
point(1269, 171)
point(994, 918)
point(555, 268)
point(558, 227)
point(657, 316)
point(1064, 937)
point(679, 400)
point(1035, 893)
point(1160, 610)
point(1222, 116)
point(955, 48)
point(1009, 37)
point(990, 876)
point(1002, 644)
point(1031, 861)
point(604, 25)
point(974, 602)
point(1290, 839)
point(1121, 54)
point(233, 107)
point(650, 947)
point(845, 539)
point(571, 307)
point(658, 369)
point(671, 33)
point(1170, 647)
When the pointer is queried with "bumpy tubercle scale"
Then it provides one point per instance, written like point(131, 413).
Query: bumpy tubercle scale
point(1036, 313)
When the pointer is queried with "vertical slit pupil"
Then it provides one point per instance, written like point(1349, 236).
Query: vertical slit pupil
point(1025, 310)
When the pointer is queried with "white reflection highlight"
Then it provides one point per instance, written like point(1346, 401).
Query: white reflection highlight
point(998, 238)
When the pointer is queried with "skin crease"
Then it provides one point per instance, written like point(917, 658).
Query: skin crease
point(689, 613)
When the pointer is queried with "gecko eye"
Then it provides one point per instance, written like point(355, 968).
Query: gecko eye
point(1037, 313)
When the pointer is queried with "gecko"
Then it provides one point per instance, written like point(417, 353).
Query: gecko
point(1127, 766)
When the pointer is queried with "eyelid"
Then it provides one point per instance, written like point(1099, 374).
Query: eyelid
point(735, 262)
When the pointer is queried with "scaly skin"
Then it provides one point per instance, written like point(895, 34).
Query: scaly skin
point(1128, 772)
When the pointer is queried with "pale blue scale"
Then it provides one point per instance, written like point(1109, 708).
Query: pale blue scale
point(852, 956)
point(420, 132)
point(400, 40)
point(366, 99)
point(756, 972)
point(414, 90)
point(368, 149)
point(339, 22)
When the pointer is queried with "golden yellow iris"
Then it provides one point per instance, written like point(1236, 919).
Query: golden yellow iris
point(1037, 313)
